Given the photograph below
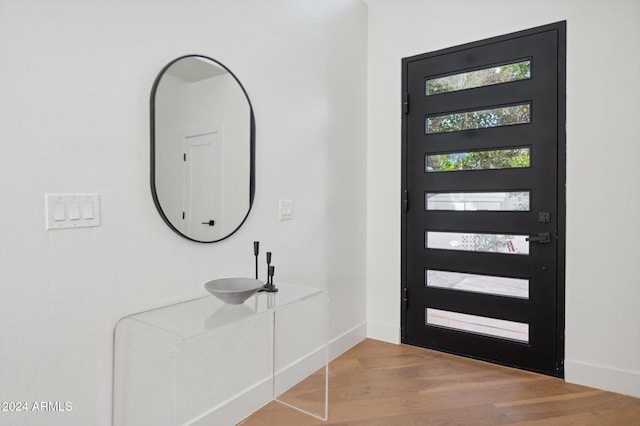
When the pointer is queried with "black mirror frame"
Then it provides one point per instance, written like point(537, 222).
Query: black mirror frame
point(252, 142)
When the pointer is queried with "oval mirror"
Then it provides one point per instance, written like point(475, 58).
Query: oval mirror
point(202, 149)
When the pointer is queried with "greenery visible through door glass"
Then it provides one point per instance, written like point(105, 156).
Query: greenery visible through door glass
point(494, 117)
point(491, 243)
point(478, 160)
point(479, 78)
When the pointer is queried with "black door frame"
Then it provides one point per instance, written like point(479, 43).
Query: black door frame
point(560, 27)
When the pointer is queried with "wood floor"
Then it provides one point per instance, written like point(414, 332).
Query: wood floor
point(381, 384)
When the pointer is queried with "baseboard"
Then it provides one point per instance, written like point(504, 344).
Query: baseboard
point(602, 377)
point(381, 331)
point(239, 407)
point(345, 341)
point(297, 371)
point(242, 405)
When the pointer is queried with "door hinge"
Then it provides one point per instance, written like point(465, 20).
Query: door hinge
point(183, 215)
point(184, 157)
point(405, 298)
point(405, 103)
point(405, 201)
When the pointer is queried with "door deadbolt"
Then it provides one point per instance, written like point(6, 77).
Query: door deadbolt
point(542, 237)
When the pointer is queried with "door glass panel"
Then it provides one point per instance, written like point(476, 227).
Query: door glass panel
point(501, 286)
point(494, 117)
point(490, 243)
point(479, 78)
point(477, 201)
point(478, 160)
point(485, 326)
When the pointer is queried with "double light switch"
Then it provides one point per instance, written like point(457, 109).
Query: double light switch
point(72, 210)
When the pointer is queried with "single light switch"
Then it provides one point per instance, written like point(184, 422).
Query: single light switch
point(87, 210)
point(58, 212)
point(286, 209)
point(74, 211)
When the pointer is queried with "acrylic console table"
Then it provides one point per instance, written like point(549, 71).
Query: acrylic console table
point(202, 362)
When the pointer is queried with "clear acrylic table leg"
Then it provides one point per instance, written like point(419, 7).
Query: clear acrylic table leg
point(301, 356)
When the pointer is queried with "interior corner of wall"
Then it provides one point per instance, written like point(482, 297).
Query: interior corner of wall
point(385, 332)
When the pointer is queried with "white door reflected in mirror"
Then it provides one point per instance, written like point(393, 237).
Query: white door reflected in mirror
point(203, 177)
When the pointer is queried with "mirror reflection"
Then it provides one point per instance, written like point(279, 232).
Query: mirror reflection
point(202, 149)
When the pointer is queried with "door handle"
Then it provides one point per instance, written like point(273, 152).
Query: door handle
point(210, 223)
point(543, 237)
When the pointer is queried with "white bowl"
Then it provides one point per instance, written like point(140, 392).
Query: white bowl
point(234, 291)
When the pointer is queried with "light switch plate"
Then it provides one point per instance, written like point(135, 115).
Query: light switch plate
point(72, 210)
point(286, 209)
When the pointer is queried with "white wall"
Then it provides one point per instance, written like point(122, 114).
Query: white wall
point(602, 281)
point(75, 79)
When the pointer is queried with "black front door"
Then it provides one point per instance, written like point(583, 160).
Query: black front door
point(483, 181)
